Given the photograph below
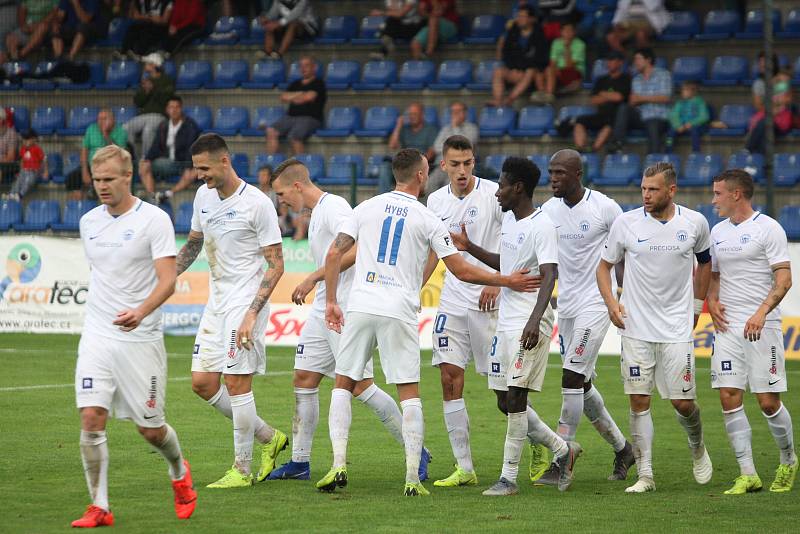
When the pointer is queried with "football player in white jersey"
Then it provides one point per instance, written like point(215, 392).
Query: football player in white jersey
point(655, 316)
point(317, 347)
point(394, 232)
point(122, 363)
point(583, 218)
point(239, 227)
point(467, 314)
point(751, 274)
point(521, 345)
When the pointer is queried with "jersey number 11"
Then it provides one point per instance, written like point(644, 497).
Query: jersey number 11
point(396, 237)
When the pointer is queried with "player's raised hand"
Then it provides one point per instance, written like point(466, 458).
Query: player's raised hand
point(754, 326)
point(618, 315)
point(530, 335)
point(717, 311)
point(488, 299)
point(301, 291)
point(521, 281)
point(461, 241)
point(128, 320)
point(334, 319)
point(244, 334)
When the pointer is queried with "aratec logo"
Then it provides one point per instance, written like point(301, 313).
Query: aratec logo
point(23, 265)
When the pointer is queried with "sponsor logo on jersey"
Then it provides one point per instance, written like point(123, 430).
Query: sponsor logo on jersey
point(727, 365)
point(472, 212)
point(635, 370)
point(128, 234)
point(151, 395)
point(520, 238)
point(584, 340)
point(443, 341)
point(232, 345)
point(773, 360)
point(230, 214)
point(687, 375)
point(744, 239)
point(520, 357)
point(86, 383)
point(196, 348)
point(682, 236)
point(584, 225)
point(371, 277)
point(300, 348)
point(495, 367)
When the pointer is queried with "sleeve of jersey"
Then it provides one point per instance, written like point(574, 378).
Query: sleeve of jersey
point(266, 223)
point(776, 245)
point(440, 240)
point(614, 251)
point(350, 225)
point(337, 218)
point(703, 242)
point(612, 211)
point(162, 236)
point(545, 244)
point(195, 217)
point(713, 251)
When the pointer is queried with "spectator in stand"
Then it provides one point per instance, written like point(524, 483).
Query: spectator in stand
point(8, 23)
point(170, 154)
point(782, 114)
point(689, 115)
point(186, 23)
point(306, 98)
point(759, 86)
point(567, 63)
point(101, 133)
point(78, 23)
point(150, 100)
point(524, 52)
point(648, 104)
point(458, 126)
point(441, 25)
point(149, 29)
point(33, 166)
point(286, 21)
point(8, 146)
point(33, 22)
point(609, 92)
point(403, 21)
point(554, 13)
point(411, 131)
point(265, 183)
point(637, 21)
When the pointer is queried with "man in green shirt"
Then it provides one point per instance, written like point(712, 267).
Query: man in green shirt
point(567, 62)
point(33, 19)
point(101, 133)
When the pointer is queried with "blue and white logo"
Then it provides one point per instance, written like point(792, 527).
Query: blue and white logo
point(520, 238)
point(371, 277)
point(87, 383)
point(127, 235)
point(584, 226)
point(196, 348)
point(495, 367)
point(744, 239)
point(443, 342)
point(300, 348)
point(635, 370)
point(682, 236)
point(727, 365)
point(472, 212)
point(230, 214)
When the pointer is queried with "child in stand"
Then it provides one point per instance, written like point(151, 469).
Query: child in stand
point(688, 116)
point(33, 165)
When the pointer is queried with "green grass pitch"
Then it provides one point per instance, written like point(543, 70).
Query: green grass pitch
point(42, 486)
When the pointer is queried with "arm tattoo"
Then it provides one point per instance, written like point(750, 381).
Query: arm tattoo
point(273, 254)
point(344, 242)
point(188, 253)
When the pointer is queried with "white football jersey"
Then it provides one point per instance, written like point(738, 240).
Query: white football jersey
point(743, 254)
point(235, 230)
point(480, 212)
point(525, 243)
point(394, 233)
point(121, 251)
point(327, 219)
point(582, 233)
point(659, 264)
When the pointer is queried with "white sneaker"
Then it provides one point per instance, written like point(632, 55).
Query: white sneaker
point(643, 485)
point(702, 468)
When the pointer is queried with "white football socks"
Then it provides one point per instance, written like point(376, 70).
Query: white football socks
point(340, 417)
point(594, 408)
point(94, 453)
point(740, 435)
point(694, 431)
point(244, 421)
point(170, 449)
point(642, 440)
point(222, 402)
point(538, 432)
point(385, 408)
point(516, 432)
point(413, 436)
point(571, 409)
point(306, 419)
point(457, 422)
point(780, 424)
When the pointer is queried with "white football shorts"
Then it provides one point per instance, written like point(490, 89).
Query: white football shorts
point(668, 366)
point(463, 335)
point(215, 348)
point(739, 363)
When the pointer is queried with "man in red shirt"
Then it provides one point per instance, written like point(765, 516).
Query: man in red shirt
point(32, 165)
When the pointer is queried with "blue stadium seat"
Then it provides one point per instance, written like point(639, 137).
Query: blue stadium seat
point(736, 117)
point(786, 169)
point(752, 163)
point(375, 163)
point(796, 70)
point(693, 68)
point(376, 75)
point(727, 70)
point(73, 211)
point(200, 114)
point(315, 164)
point(47, 120)
point(166, 207)
point(183, 220)
point(22, 119)
point(341, 74)
point(97, 76)
point(379, 121)
point(414, 75)
point(117, 29)
point(72, 162)
point(265, 160)
point(533, 121)
point(266, 74)
point(566, 113)
point(41, 69)
point(452, 75)
point(790, 220)
point(193, 74)
point(700, 169)
point(14, 68)
point(120, 75)
point(228, 31)
point(123, 114)
point(710, 214)
point(719, 24)
point(486, 29)
point(791, 26)
point(494, 163)
point(444, 115)
point(241, 164)
point(79, 119)
point(10, 214)
point(229, 74)
point(338, 29)
point(170, 69)
point(340, 168)
point(652, 159)
point(482, 76)
point(430, 115)
point(599, 69)
point(591, 167)
point(230, 120)
point(295, 74)
point(368, 33)
point(754, 24)
point(542, 161)
point(39, 215)
point(620, 169)
point(261, 118)
point(683, 25)
point(496, 121)
point(55, 167)
point(341, 122)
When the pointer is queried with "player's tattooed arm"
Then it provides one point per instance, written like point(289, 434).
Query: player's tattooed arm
point(782, 283)
point(306, 286)
point(189, 251)
point(273, 254)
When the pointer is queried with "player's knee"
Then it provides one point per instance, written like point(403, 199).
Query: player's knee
point(517, 400)
point(501, 405)
point(204, 389)
point(152, 435)
point(587, 386)
point(93, 418)
point(362, 386)
point(571, 380)
point(685, 407)
point(769, 404)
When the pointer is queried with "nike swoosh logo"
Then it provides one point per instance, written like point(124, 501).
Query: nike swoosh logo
point(771, 383)
point(573, 361)
point(687, 390)
point(149, 417)
point(718, 242)
point(643, 240)
point(234, 365)
point(559, 226)
point(516, 377)
point(93, 237)
point(445, 218)
point(203, 211)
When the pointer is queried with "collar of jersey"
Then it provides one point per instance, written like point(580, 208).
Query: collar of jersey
point(136, 207)
point(477, 185)
point(403, 194)
point(753, 217)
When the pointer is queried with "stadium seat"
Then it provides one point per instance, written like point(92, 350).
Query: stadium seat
point(55, 168)
point(376, 75)
point(619, 169)
point(41, 69)
point(315, 164)
point(170, 69)
point(22, 120)
point(542, 161)
point(96, 77)
point(754, 24)
point(72, 162)
point(228, 31)
point(791, 26)
point(719, 24)
point(229, 74)
point(652, 159)
point(241, 164)
point(117, 29)
point(39, 215)
point(123, 114)
point(727, 70)
point(166, 207)
point(786, 169)
point(79, 119)
point(47, 120)
point(430, 115)
point(10, 214)
point(752, 163)
point(265, 160)
point(183, 220)
point(121, 75)
point(368, 33)
point(736, 117)
point(494, 163)
point(444, 115)
point(566, 113)
point(796, 70)
point(710, 214)
point(295, 74)
point(486, 29)
point(790, 220)
point(230, 120)
point(591, 167)
point(14, 68)
point(694, 68)
point(452, 75)
point(255, 35)
point(341, 122)
point(533, 121)
point(341, 74)
point(379, 121)
point(414, 75)
point(482, 77)
point(340, 168)
point(261, 118)
point(73, 211)
point(496, 121)
point(375, 163)
point(700, 169)
point(193, 74)
point(337, 30)
point(200, 114)
point(266, 74)
point(683, 25)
